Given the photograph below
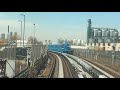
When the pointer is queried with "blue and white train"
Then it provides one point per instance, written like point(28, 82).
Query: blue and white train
point(63, 48)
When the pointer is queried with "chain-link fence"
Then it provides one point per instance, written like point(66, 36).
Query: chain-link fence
point(107, 58)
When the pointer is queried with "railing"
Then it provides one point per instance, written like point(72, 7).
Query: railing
point(108, 58)
point(8, 52)
point(24, 73)
point(38, 57)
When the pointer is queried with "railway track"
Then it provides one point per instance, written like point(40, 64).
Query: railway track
point(81, 73)
point(51, 71)
point(58, 67)
point(67, 67)
point(96, 70)
point(56, 70)
point(30, 71)
point(106, 71)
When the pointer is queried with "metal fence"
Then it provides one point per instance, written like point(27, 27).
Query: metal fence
point(37, 51)
point(11, 51)
point(8, 52)
point(19, 54)
point(108, 58)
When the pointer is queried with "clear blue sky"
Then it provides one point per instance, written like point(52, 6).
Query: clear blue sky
point(53, 25)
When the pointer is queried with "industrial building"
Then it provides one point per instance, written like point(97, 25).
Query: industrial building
point(11, 35)
point(2, 36)
point(15, 35)
point(106, 38)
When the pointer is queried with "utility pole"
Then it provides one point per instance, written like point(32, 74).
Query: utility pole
point(8, 34)
point(21, 33)
point(24, 29)
point(34, 45)
point(8, 42)
point(34, 33)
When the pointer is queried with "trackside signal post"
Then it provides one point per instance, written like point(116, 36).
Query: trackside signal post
point(29, 57)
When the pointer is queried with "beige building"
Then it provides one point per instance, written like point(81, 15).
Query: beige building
point(106, 46)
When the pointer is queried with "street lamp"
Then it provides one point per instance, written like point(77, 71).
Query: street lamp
point(34, 33)
point(21, 32)
point(24, 28)
point(113, 53)
point(34, 44)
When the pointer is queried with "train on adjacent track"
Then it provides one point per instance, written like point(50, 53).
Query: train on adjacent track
point(63, 48)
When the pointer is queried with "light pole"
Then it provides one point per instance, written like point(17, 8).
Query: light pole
point(8, 43)
point(34, 44)
point(113, 53)
point(34, 33)
point(24, 28)
point(21, 32)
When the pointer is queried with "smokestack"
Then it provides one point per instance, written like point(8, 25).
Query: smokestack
point(8, 34)
point(8, 29)
point(89, 30)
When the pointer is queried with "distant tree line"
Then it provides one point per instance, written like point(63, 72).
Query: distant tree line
point(33, 40)
point(61, 41)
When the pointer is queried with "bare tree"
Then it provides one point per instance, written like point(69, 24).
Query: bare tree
point(32, 40)
point(70, 42)
point(49, 42)
point(40, 42)
point(60, 41)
